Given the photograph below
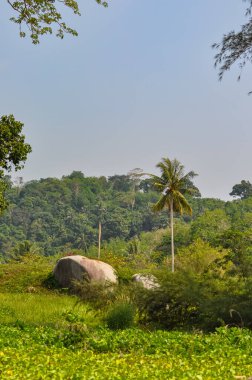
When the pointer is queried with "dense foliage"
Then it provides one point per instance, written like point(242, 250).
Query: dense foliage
point(52, 215)
point(64, 214)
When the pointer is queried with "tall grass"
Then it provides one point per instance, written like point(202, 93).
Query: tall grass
point(26, 275)
point(44, 310)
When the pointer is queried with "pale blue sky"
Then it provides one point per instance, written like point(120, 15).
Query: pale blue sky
point(137, 84)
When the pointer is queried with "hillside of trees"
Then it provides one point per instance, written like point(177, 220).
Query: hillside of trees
point(51, 215)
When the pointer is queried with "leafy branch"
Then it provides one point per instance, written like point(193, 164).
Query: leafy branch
point(235, 46)
point(41, 16)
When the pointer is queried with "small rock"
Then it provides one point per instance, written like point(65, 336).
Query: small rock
point(31, 289)
point(147, 280)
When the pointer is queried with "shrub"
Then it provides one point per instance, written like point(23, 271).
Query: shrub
point(203, 293)
point(173, 305)
point(121, 316)
point(98, 294)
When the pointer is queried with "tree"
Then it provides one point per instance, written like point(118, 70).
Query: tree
point(13, 151)
point(235, 46)
point(240, 245)
point(174, 184)
point(39, 16)
point(210, 226)
point(135, 177)
point(242, 190)
point(120, 183)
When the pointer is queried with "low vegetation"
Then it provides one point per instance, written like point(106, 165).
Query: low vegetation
point(46, 333)
point(46, 353)
point(196, 324)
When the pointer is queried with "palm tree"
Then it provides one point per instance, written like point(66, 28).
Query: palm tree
point(173, 184)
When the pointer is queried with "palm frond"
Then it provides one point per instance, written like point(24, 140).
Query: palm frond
point(178, 169)
point(166, 173)
point(163, 202)
point(180, 203)
point(158, 183)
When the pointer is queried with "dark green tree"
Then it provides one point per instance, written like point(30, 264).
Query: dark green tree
point(13, 151)
point(120, 183)
point(242, 190)
point(173, 184)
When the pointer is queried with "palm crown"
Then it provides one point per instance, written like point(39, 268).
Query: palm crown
point(173, 184)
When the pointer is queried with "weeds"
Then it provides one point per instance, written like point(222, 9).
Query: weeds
point(121, 316)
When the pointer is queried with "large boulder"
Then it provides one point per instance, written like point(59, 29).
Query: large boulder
point(76, 268)
point(148, 281)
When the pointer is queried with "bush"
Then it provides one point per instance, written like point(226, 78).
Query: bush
point(96, 293)
point(203, 293)
point(121, 316)
point(171, 306)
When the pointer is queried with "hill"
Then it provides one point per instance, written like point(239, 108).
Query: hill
point(53, 215)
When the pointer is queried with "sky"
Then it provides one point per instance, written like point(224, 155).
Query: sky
point(136, 85)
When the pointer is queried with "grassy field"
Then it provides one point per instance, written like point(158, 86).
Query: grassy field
point(50, 337)
point(45, 334)
point(43, 310)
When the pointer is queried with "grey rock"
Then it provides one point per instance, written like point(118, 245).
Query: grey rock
point(76, 268)
point(148, 281)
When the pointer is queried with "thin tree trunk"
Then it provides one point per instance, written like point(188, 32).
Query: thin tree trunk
point(172, 234)
point(99, 240)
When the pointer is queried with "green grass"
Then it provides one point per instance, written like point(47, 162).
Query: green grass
point(44, 310)
point(29, 275)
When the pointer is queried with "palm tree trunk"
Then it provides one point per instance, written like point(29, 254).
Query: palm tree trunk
point(172, 233)
point(99, 240)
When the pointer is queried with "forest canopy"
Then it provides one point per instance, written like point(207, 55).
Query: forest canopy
point(52, 215)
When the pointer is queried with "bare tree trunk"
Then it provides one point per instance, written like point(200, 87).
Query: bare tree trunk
point(172, 234)
point(99, 240)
